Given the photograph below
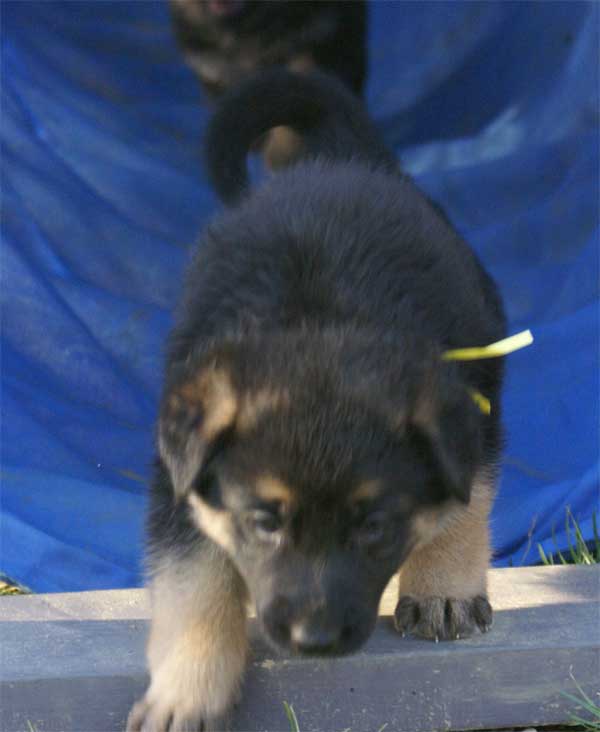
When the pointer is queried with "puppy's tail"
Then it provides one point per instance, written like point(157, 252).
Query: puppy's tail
point(331, 121)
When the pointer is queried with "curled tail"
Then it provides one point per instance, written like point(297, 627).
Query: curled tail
point(331, 121)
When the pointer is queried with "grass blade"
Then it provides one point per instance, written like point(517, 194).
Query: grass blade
point(579, 550)
point(291, 715)
point(547, 559)
point(585, 703)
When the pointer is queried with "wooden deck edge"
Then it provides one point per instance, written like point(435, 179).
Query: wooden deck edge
point(74, 662)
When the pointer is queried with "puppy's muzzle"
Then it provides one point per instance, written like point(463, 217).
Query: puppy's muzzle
point(326, 630)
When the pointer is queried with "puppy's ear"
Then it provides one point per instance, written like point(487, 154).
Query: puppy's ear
point(448, 428)
point(194, 416)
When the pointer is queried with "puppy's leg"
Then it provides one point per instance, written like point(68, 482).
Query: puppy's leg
point(443, 583)
point(197, 646)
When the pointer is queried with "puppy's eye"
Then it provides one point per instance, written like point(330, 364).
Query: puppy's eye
point(372, 528)
point(265, 523)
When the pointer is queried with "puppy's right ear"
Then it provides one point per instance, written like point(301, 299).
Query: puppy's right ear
point(447, 424)
point(193, 418)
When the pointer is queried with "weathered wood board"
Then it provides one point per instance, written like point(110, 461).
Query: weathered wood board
point(75, 663)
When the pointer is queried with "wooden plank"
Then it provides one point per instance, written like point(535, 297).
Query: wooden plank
point(74, 662)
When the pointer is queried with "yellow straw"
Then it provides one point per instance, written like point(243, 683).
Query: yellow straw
point(482, 402)
point(500, 348)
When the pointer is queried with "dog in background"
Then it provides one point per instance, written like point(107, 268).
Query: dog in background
point(225, 41)
point(312, 441)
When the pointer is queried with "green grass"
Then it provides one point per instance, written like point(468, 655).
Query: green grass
point(588, 707)
point(291, 715)
point(579, 552)
point(11, 588)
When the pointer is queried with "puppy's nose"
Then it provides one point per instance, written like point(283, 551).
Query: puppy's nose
point(314, 638)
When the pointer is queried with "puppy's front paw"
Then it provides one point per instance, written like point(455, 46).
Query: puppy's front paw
point(149, 715)
point(439, 618)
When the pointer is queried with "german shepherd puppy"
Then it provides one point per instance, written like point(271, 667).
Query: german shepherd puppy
point(312, 441)
point(225, 41)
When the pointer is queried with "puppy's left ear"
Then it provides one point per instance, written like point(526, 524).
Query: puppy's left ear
point(194, 417)
point(449, 425)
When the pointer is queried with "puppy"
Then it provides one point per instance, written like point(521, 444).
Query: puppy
point(312, 441)
point(225, 41)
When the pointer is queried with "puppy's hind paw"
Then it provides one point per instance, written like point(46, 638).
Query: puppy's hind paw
point(440, 618)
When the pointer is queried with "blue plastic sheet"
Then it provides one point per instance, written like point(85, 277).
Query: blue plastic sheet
point(492, 106)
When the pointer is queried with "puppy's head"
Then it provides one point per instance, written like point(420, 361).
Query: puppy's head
point(225, 8)
point(211, 11)
point(318, 485)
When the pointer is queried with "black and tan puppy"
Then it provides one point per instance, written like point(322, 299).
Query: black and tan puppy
point(225, 41)
point(312, 441)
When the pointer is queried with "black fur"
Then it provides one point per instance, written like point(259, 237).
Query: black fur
point(339, 284)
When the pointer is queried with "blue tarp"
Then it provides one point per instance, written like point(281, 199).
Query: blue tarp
point(492, 106)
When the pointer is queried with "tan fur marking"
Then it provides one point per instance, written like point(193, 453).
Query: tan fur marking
point(209, 396)
point(452, 551)
point(428, 522)
point(270, 488)
point(197, 646)
point(368, 490)
point(255, 404)
point(214, 522)
point(281, 147)
point(213, 391)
